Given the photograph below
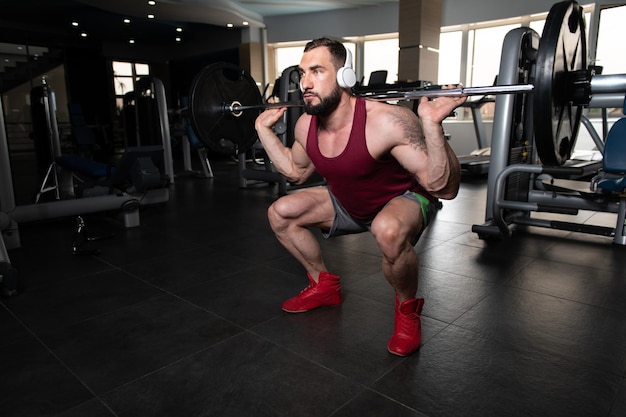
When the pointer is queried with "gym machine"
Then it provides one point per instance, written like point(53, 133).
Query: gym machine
point(220, 128)
point(533, 136)
point(148, 120)
point(8, 273)
point(149, 133)
point(181, 127)
point(133, 167)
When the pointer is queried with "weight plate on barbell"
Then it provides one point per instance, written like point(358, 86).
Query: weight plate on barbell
point(562, 49)
point(218, 85)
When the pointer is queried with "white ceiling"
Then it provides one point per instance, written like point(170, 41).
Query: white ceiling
point(222, 12)
point(33, 20)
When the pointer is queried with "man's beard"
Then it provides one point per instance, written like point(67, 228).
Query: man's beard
point(326, 104)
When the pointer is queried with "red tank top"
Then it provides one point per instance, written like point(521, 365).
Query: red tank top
point(361, 183)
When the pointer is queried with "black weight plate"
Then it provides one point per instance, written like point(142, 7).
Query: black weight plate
point(562, 49)
point(218, 85)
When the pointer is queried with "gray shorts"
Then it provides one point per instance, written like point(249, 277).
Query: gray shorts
point(344, 224)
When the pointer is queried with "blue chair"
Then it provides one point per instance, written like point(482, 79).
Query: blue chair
point(614, 172)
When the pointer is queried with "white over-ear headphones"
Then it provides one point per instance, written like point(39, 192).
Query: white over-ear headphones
point(346, 77)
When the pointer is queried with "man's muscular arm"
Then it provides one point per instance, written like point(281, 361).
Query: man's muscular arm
point(427, 154)
point(292, 163)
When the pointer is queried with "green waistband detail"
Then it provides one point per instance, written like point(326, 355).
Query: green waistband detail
point(424, 202)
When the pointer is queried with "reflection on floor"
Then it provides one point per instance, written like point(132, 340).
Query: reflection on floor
point(181, 317)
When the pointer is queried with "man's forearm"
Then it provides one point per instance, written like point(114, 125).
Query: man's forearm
point(279, 154)
point(443, 166)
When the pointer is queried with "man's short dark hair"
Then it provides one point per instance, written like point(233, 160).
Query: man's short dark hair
point(336, 49)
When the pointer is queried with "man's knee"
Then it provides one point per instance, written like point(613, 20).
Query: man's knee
point(393, 235)
point(388, 233)
point(283, 212)
point(275, 215)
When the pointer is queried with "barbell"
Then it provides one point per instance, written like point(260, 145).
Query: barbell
point(217, 113)
point(561, 88)
point(236, 108)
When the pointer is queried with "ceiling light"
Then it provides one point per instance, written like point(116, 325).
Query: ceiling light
point(150, 16)
point(74, 23)
point(179, 29)
point(151, 2)
point(178, 39)
point(84, 34)
point(245, 23)
point(131, 41)
point(126, 20)
point(230, 25)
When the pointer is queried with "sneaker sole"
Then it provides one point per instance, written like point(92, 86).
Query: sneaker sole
point(403, 355)
point(311, 309)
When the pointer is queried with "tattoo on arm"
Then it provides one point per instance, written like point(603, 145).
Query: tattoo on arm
point(412, 130)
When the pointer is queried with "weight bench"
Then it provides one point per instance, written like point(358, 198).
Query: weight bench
point(77, 173)
point(136, 171)
point(612, 178)
point(84, 165)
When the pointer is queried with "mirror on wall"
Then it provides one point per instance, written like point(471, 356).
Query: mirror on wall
point(22, 69)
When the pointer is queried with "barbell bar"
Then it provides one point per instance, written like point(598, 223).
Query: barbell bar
point(236, 108)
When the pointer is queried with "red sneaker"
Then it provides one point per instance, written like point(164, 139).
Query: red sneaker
point(407, 334)
point(325, 293)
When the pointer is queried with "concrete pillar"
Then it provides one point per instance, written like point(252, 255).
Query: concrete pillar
point(251, 59)
point(419, 27)
point(251, 55)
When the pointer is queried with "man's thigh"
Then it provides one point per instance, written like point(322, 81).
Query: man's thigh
point(308, 207)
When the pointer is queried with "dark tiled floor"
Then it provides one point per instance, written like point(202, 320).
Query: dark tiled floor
point(181, 317)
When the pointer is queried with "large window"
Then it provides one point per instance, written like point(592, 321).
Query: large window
point(484, 50)
point(450, 51)
point(124, 76)
point(378, 55)
point(610, 32)
point(286, 57)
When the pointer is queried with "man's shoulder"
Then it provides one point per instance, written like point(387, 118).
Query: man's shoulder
point(302, 127)
point(304, 119)
point(384, 110)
